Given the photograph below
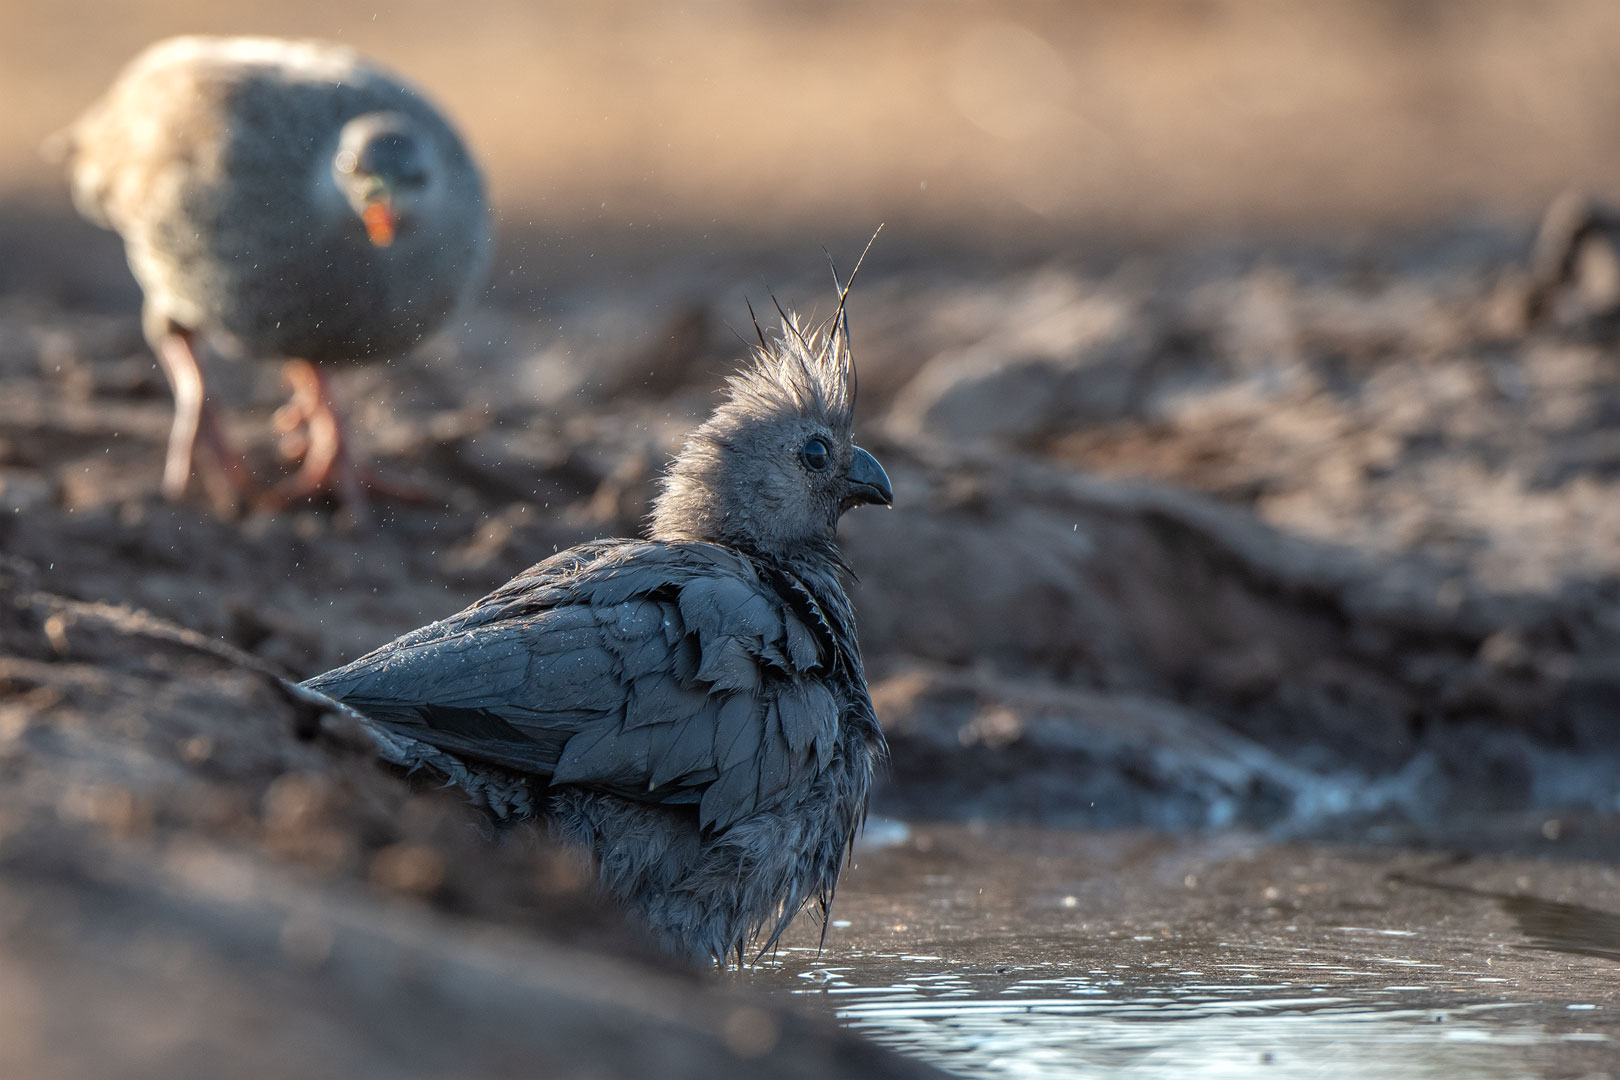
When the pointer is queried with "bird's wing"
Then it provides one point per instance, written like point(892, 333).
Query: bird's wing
point(661, 672)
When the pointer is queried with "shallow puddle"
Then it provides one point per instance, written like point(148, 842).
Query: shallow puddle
point(1014, 953)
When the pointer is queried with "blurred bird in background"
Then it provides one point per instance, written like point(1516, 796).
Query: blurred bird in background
point(691, 709)
point(293, 200)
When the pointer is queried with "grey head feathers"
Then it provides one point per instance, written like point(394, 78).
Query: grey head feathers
point(775, 466)
point(389, 172)
point(801, 372)
point(386, 146)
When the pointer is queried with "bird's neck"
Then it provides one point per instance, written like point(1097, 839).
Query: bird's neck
point(820, 560)
point(823, 574)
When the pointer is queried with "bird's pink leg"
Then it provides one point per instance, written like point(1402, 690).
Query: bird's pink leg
point(327, 464)
point(228, 480)
point(314, 429)
point(185, 379)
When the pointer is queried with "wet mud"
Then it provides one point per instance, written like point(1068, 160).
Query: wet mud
point(1311, 542)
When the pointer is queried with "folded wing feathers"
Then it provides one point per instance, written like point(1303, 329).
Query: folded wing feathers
point(661, 699)
point(729, 665)
point(683, 751)
point(738, 731)
point(729, 799)
point(774, 756)
point(606, 755)
point(809, 715)
point(655, 676)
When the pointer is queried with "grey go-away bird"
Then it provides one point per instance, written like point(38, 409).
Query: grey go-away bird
point(689, 708)
point(289, 197)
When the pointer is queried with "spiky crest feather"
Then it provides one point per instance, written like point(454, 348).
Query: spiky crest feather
point(797, 374)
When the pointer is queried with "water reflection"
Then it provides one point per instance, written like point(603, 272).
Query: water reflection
point(1024, 954)
point(1552, 925)
point(981, 1025)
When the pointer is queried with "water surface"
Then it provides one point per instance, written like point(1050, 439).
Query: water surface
point(1022, 953)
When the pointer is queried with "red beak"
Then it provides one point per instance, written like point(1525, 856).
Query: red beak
point(380, 221)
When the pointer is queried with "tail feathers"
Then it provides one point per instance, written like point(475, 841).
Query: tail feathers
point(506, 795)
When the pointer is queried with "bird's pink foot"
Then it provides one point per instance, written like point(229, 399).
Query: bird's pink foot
point(314, 432)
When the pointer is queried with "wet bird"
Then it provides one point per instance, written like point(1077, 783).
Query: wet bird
point(690, 708)
point(293, 200)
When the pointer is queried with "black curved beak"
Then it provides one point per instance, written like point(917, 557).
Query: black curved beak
point(868, 483)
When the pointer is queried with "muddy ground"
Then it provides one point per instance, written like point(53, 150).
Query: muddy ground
point(1218, 535)
point(1308, 538)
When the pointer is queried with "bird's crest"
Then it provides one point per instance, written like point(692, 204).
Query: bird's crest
point(719, 486)
point(801, 371)
point(808, 371)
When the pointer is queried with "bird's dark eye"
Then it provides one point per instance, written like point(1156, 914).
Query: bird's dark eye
point(815, 455)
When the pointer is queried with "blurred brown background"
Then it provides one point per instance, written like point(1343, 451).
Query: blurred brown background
point(1200, 522)
point(1000, 121)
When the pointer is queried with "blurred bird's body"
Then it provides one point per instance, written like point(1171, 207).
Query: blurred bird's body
point(289, 197)
point(691, 709)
